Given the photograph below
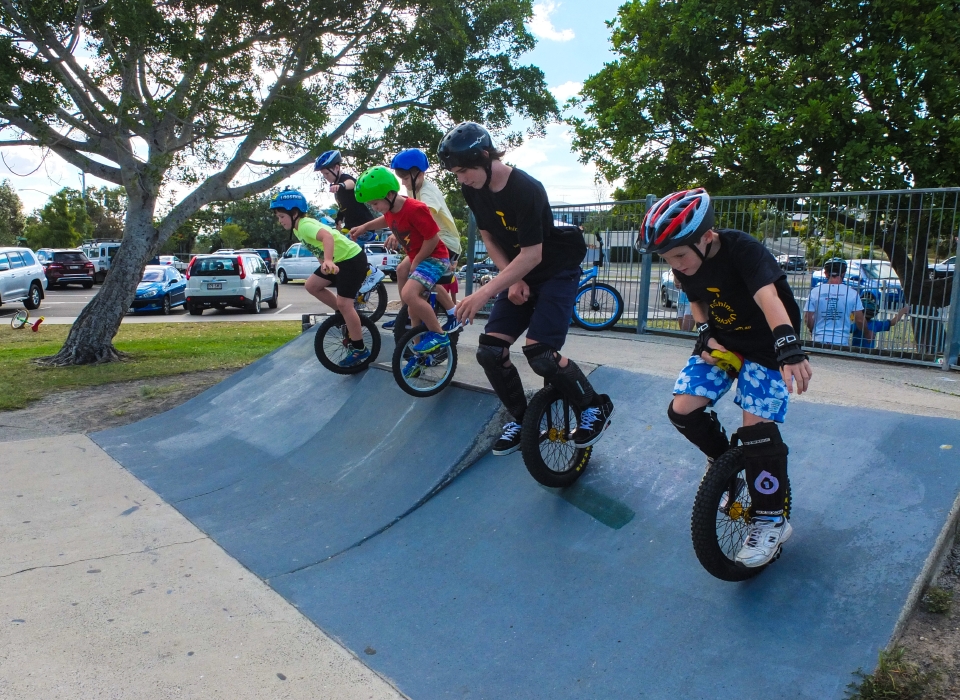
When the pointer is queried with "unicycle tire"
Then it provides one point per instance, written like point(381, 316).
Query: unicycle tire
point(721, 518)
point(332, 344)
point(434, 371)
point(20, 319)
point(549, 455)
point(373, 303)
point(402, 318)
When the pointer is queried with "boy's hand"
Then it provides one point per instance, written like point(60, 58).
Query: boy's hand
point(802, 372)
point(470, 306)
point(519, 293)
point(391, 243)
point(713, 345)
point(329, 268)
point(334, 188)
point(356, 231)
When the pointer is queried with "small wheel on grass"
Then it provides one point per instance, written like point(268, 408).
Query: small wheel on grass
point(20, 319)
point(422, 374)
point(548, 453)
point(332, 344)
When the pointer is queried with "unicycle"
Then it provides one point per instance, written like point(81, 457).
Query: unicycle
point(372, 299)
point(722, 513)
point(423, 374)
point(548, 453)
point(20, 319)
point(332, 343)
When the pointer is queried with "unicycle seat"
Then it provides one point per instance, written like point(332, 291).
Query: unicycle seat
point(446, 279)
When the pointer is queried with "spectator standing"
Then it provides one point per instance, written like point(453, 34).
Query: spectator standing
point(832, 306)
point(867, 338)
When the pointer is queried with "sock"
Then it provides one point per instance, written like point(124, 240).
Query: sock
point(452, 312)
point(356, 344)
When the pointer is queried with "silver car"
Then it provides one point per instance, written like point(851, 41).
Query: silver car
point(21, 277)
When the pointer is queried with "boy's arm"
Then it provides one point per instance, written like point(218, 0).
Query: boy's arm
point(327, 240)
point(776, 315)
point(512, 273)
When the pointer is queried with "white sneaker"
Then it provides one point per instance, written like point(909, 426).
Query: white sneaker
point(763, 541)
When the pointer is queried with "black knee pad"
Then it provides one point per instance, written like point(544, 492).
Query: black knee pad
point(505, 380)
point(570, 381)
point(543, 359)
point(765, 461)
point(702, 429)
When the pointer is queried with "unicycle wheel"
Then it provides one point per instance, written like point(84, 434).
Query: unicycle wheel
point(20, 319)
point(548, 453)
point(722, 513)
point(332, 344)
point(423, 374)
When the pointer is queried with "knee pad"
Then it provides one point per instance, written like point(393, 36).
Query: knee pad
point(570, 381)
point(701, 428)
point(543, 359)
point(765, 462)
point(505, 380)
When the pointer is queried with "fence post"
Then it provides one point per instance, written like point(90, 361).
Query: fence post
point(952, 341)
point(646, 272)
point(471, 251)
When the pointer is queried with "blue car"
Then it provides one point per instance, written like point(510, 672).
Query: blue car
point(161, 289)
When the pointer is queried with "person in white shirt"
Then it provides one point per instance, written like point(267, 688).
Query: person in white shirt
point(831, 307)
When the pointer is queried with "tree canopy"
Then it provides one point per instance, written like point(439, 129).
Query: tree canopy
point(796, 96)
point(11, 215)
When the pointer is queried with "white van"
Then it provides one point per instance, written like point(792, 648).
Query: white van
point(101, 255)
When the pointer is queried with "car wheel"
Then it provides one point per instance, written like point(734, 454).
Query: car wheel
point(664, 298)
point(393, 276)
point(34, 297)
point(276, 298)
point(195, 310)
point(88, 285)
point(166, 306)
point(254, 307)
point(282, 276)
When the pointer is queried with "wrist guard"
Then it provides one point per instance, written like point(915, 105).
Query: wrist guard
point(786, 343)
point(704, 335)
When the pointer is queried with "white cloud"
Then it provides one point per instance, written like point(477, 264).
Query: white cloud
point(542, 27)
point(567, 90)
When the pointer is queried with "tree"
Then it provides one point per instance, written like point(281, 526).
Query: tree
point(227, 99)
point(11, 215)
point(60, 224)
point(232, 236)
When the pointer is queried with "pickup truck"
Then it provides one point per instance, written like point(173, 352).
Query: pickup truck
point(379, 256)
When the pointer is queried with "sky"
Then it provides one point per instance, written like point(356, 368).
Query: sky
point(572, 44)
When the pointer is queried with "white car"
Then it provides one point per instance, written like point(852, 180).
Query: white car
point(101, 254)
point(174, 261)
point(218, 281)
point(21, 277)
point(298, 263)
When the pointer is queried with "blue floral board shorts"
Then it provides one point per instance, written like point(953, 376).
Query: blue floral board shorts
point(430, 271)
point(760, 390)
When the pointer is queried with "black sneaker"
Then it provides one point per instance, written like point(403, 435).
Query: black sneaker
point(593, 421)
point(509, 442)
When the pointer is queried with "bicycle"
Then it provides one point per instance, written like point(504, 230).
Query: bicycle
point(547, 450)
point(598, 305)
point(332, 343)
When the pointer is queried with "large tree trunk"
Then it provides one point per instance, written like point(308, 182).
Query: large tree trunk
point(90, 340)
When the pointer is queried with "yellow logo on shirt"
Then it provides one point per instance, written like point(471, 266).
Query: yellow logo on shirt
point(503, 220)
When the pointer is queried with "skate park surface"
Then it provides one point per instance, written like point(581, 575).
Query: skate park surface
point(446, 572)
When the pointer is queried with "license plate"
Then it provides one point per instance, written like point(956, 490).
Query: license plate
point(74, 267)
point(214, 285)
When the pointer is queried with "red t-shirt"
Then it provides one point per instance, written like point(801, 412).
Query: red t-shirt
point(414, 224)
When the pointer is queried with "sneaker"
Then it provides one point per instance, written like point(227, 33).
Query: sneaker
point(509, 441)
point(452, 325)
point(431, 342)
point(413, 368)
point(354, 357)
point(764, 541)
point(593, 422)
point(388, 325)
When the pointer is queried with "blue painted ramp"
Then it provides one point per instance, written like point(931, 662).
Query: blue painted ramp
point(499, 588)
point(298, 483)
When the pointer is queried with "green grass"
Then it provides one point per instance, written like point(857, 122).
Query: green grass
point(894, 679)
point(154, 350)
point(937, 600)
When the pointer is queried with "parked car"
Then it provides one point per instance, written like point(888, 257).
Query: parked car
point(218, 281)
point(161, 289)
point(380, 257)
point(101, 254)
point(792, 263)
point(173, 261)
point(484, 268)
point(269, 255)
point(297, 263)
point(669, 294)
point(44, 255)
point(69, 267)
point(21, 277)
point(876, 277)
point(942, 269)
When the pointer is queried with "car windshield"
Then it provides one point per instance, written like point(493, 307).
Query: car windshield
point(69, 257)
point(208, 267)
point(153, 276)
point(879, 270)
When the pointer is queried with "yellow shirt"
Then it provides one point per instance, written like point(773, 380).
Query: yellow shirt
point(431, 195)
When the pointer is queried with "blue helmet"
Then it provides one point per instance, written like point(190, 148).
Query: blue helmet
point(290, 199)
point(327, 160)
point(409, 159)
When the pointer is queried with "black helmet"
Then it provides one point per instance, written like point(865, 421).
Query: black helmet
point(464, 145)
point(835, 266)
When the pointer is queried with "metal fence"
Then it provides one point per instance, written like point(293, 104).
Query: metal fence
point(900, 247)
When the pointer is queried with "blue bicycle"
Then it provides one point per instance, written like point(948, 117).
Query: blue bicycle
point(598, 305)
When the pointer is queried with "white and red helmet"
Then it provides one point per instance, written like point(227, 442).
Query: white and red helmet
point(678, 219)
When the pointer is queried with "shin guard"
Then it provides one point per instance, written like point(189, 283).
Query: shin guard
point(493, 354)
point(702, 429)
point(765, 461)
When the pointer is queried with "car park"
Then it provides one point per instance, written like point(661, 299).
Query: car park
point(69, 266)
point(269, 255)
point(792, 263)
point(874, 277)
point(669, 294)
point(383, 259)
point(173, 261)
point(161, 289)
point(21, 277)
point(942, 269)
point(240, 280)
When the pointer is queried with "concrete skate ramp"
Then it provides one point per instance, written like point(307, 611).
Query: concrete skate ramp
point(499, 588)
point(286, 464)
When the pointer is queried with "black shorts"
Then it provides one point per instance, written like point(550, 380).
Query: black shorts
point(353, 271)
point(545, 316)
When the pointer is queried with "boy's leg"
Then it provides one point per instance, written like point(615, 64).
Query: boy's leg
point(417, 307)
point(316, 286)
point(349, 279)
point(699, 386)
point(403, 272)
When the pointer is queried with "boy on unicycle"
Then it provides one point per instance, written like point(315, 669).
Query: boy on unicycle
point(535, 290)
point(343, 265)
point(746, 315)
point(415, 228)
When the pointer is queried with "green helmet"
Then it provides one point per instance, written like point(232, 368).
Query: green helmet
point(376, 183)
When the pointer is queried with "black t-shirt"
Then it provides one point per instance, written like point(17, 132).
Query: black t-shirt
point(519, 216)
point(727, 283)
point(351, 212)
